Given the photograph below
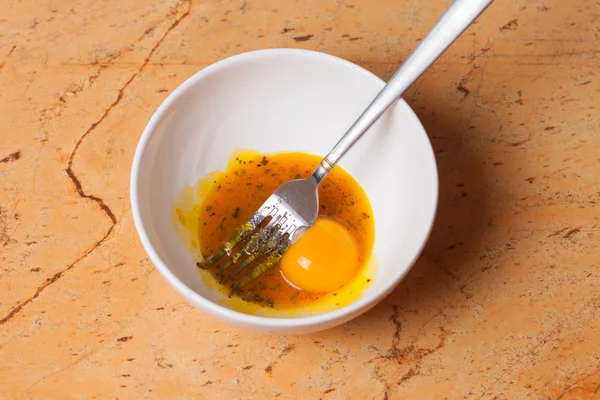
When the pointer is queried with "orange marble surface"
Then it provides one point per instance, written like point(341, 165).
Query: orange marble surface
point(503, 304)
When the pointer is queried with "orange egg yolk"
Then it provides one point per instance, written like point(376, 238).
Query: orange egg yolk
point(325, 258)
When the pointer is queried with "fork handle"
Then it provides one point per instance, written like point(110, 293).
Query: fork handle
point(449, 27)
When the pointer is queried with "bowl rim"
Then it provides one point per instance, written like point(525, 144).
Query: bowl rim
point(362, 303)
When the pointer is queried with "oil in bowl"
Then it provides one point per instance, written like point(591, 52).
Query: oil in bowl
point(328, 268)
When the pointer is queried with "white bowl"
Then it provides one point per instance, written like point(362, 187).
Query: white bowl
point(283, 100)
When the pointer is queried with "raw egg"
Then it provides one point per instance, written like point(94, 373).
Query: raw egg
point(325, 258)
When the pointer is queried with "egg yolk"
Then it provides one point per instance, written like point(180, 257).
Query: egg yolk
point(325, 258)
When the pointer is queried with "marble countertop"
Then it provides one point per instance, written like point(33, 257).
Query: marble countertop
point(503, 304)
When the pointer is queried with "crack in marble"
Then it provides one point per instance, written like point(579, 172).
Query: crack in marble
point(80, 359)
point(409, 356)
point(546, 338)
point(55, 110)
point(7, 55)
point(576, 385)
point(507, 370)
point(11, 157)
point(77, 182)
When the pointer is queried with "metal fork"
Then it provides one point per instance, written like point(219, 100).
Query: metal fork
point(294, 206)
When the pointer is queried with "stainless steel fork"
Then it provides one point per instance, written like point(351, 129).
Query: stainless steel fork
point(294, 206)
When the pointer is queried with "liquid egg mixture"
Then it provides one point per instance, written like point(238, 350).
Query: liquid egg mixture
point(328, 268)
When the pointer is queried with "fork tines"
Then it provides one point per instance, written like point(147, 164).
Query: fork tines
point(259, 243)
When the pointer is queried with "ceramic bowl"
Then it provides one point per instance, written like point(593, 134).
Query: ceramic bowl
point(283, 100)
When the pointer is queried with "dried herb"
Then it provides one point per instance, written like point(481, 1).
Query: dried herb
point(257, 298)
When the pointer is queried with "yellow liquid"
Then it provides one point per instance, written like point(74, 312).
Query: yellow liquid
point(207, 215)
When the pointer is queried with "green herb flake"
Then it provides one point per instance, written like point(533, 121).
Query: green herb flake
point(236, 212)
point(268, 170)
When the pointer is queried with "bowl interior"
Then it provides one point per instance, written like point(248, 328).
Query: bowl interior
point(273, 101)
